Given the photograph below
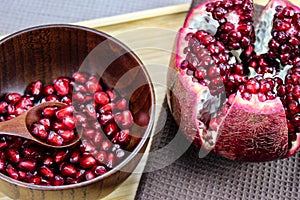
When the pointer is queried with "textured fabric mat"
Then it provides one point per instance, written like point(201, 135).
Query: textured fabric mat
point(214, 177)
point(20, 14)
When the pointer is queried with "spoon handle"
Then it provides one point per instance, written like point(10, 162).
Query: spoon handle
point(15, 127)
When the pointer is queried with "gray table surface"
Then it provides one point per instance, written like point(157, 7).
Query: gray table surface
point(19, 14)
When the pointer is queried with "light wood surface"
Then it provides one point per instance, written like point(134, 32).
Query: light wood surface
point(151, 35)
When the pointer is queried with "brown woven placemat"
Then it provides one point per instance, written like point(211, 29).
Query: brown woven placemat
point(214, 177)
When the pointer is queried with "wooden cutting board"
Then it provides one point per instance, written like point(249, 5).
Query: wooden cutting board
point(150, 34)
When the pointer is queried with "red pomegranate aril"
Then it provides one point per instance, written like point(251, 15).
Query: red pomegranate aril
point(52, 98)
point(12, 172)
point(111, 94)
point(124, 119)
point(110, 130)
point(27, 165)
point(13, 155)
point(106, 145)
point(3, 143)
point(78, 97)
point(101, 98)
point(48, 90)
point(87, 161)
point(45, 122)
point(39, 131)
point(97, 138)
point(33, 152)
point(46, 172)
point(58, 180)
point(48, 161)
point(69, 122)
point(74, 158)
point(12, 97)
point(79, 77)
point(49, 111)
point(105, 117)
point(3, 107)
point(87, 146)
point(101, 157)
point(62, 86)
point(80, 118)
point(56, 126)
point(35, 88)
point(67, 135)
point(35, 180)
point(90, 133)
point(60, 156)
point(67, 100)
point(89, 175)
point(55, 139)
point(90, 110)
point(100, 170)
point(93, 85)
point(108, 108)
point(2, 164)
point(122, 104)
point(68, 170)
point(123, 137)
point(110, 162)
point(64, 111)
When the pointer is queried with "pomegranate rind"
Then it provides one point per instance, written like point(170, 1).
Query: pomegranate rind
point(183, 94)
point(253, 132)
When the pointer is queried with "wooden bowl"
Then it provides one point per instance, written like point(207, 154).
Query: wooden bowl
point(47, 52)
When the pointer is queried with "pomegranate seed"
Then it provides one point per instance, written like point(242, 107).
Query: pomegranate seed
point(110, 160)
point(87, 146)
point(67, 135)
point(12, 172)
point(12, 97)
point(27, 165)
point(60, 156)
point(111, 94)
point(67, 100)
point(121, 104)
point(74, 158)
point(125, 119)
point(105, 117)
point(49, 111)
point(35, 180)
point(101, 157)
point(3, 107)
point(39, 131)
point(52, 98)
point(79, 77)
point(45, 122)
point(55, 139)
point(87, 161)
point(2, 164)
point(64, 111)
point(48, 90)
point(89, 175)
point(46, 172)
point(100, 170)
point(62, 86)
point(111, 129)
point(101, 98)
point(58, 180)
point(13, 155)
point(48, 161)
point(68, 170)
point(93, 85)
point(35, 88)
point(106, 145)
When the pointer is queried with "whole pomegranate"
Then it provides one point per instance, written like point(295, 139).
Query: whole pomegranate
point(234, 85)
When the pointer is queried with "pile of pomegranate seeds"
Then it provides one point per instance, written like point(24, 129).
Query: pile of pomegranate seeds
point(98, 112)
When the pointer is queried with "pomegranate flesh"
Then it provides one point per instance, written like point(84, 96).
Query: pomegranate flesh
point(234, 85)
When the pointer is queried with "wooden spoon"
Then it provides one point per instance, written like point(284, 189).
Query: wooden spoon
point(19, 126)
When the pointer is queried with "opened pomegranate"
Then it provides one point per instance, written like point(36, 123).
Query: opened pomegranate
point(98, 112)
point(234, 85)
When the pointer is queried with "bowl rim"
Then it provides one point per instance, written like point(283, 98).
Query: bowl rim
point(144, 138)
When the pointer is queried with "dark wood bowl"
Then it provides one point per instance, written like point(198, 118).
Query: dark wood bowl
point(47, 52)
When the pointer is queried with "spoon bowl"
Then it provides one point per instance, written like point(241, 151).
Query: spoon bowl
point(19, 126)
